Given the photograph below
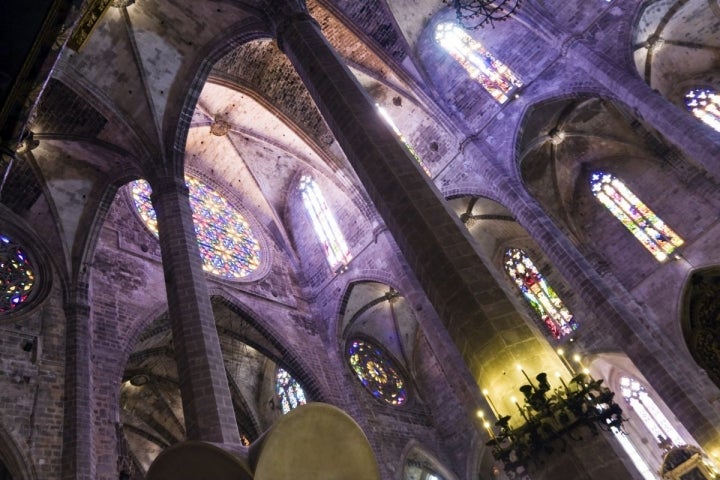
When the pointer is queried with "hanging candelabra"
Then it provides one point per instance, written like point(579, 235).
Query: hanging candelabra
point(551, 416)
point(473, 14)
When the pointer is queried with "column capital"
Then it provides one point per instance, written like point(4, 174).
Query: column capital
point(282, 13)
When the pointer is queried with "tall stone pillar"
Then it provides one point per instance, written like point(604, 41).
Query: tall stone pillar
point(490, 335)
point(78, 457)
point(207, 404)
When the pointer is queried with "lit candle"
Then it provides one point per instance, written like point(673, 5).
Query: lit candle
point(561, 354)
point(557, 374)
point(514, 400)
point(486, 424)
point(492, 405)
point(519, 367)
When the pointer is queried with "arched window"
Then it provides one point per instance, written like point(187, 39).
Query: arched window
point(376, 372)
point(652, 232)
point(704, 103)
point(289, 391)
point(541, 297)
point(227, 244)
point(396, 130)
point(493, 75)
point(648, 412)
point(17, 277)
point(326, 228)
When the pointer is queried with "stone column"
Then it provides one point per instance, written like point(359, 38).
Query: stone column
point(699, 142)
point(491, 336)
point(207, 405)
point(78, 454)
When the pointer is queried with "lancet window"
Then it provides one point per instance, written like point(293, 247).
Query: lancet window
point(491, 73)
point(377, 372)
point(227, 244)
point(648, 412)
point(704, 103)
point(17, 276)
point(542, 298)
point(289, 391)
point(326, 228)
point(651, 232)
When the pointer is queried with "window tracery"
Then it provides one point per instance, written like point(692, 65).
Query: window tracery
point(704, 103)
point(647, 410)
point(17, 277)
point(227, 244)
point(289, 391)
point(539, 294)
point(376, 372)
point(651, 232)
point(326, 228)
point(493, 75)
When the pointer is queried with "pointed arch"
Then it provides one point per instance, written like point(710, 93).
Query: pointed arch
point(701, 320)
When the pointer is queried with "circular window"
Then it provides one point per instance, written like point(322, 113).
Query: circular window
point(376, 372)
point(227, 244)
point(17, 276)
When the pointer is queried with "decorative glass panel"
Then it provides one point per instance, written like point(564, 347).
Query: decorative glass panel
point(493, 75)
point(227, 245)
point(17, 277)
point(289, 391)
point(704, 103)
point(541, 297)
point(652, 232)
point(326, 228)
point(389, 120)
point(646, 409)
point(376, 372)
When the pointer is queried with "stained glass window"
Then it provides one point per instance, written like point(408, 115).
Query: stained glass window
point(493, 75)
point(326, 228)
point(17, 277)
point(396, 130)
point(541, 297)
point(227, 245)
point(647, 410)
point(652, 232)
point(704, 103)
point(376, 372)
point(289, 391)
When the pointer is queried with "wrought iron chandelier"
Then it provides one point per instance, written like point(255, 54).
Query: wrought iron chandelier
point(473, 14)
point(551, 416)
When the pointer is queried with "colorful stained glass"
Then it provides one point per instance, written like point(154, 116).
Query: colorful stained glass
point(493, 75)
point(541, 297)
point(396, 130)
point(227, 245)
point(326, 228)
point(17, 277)
point(704, 103)
point(376, 372)
point(652, 232)
point(289, 391)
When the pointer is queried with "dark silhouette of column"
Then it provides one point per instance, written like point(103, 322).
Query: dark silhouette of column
point(78, 457)
point(207, 404)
